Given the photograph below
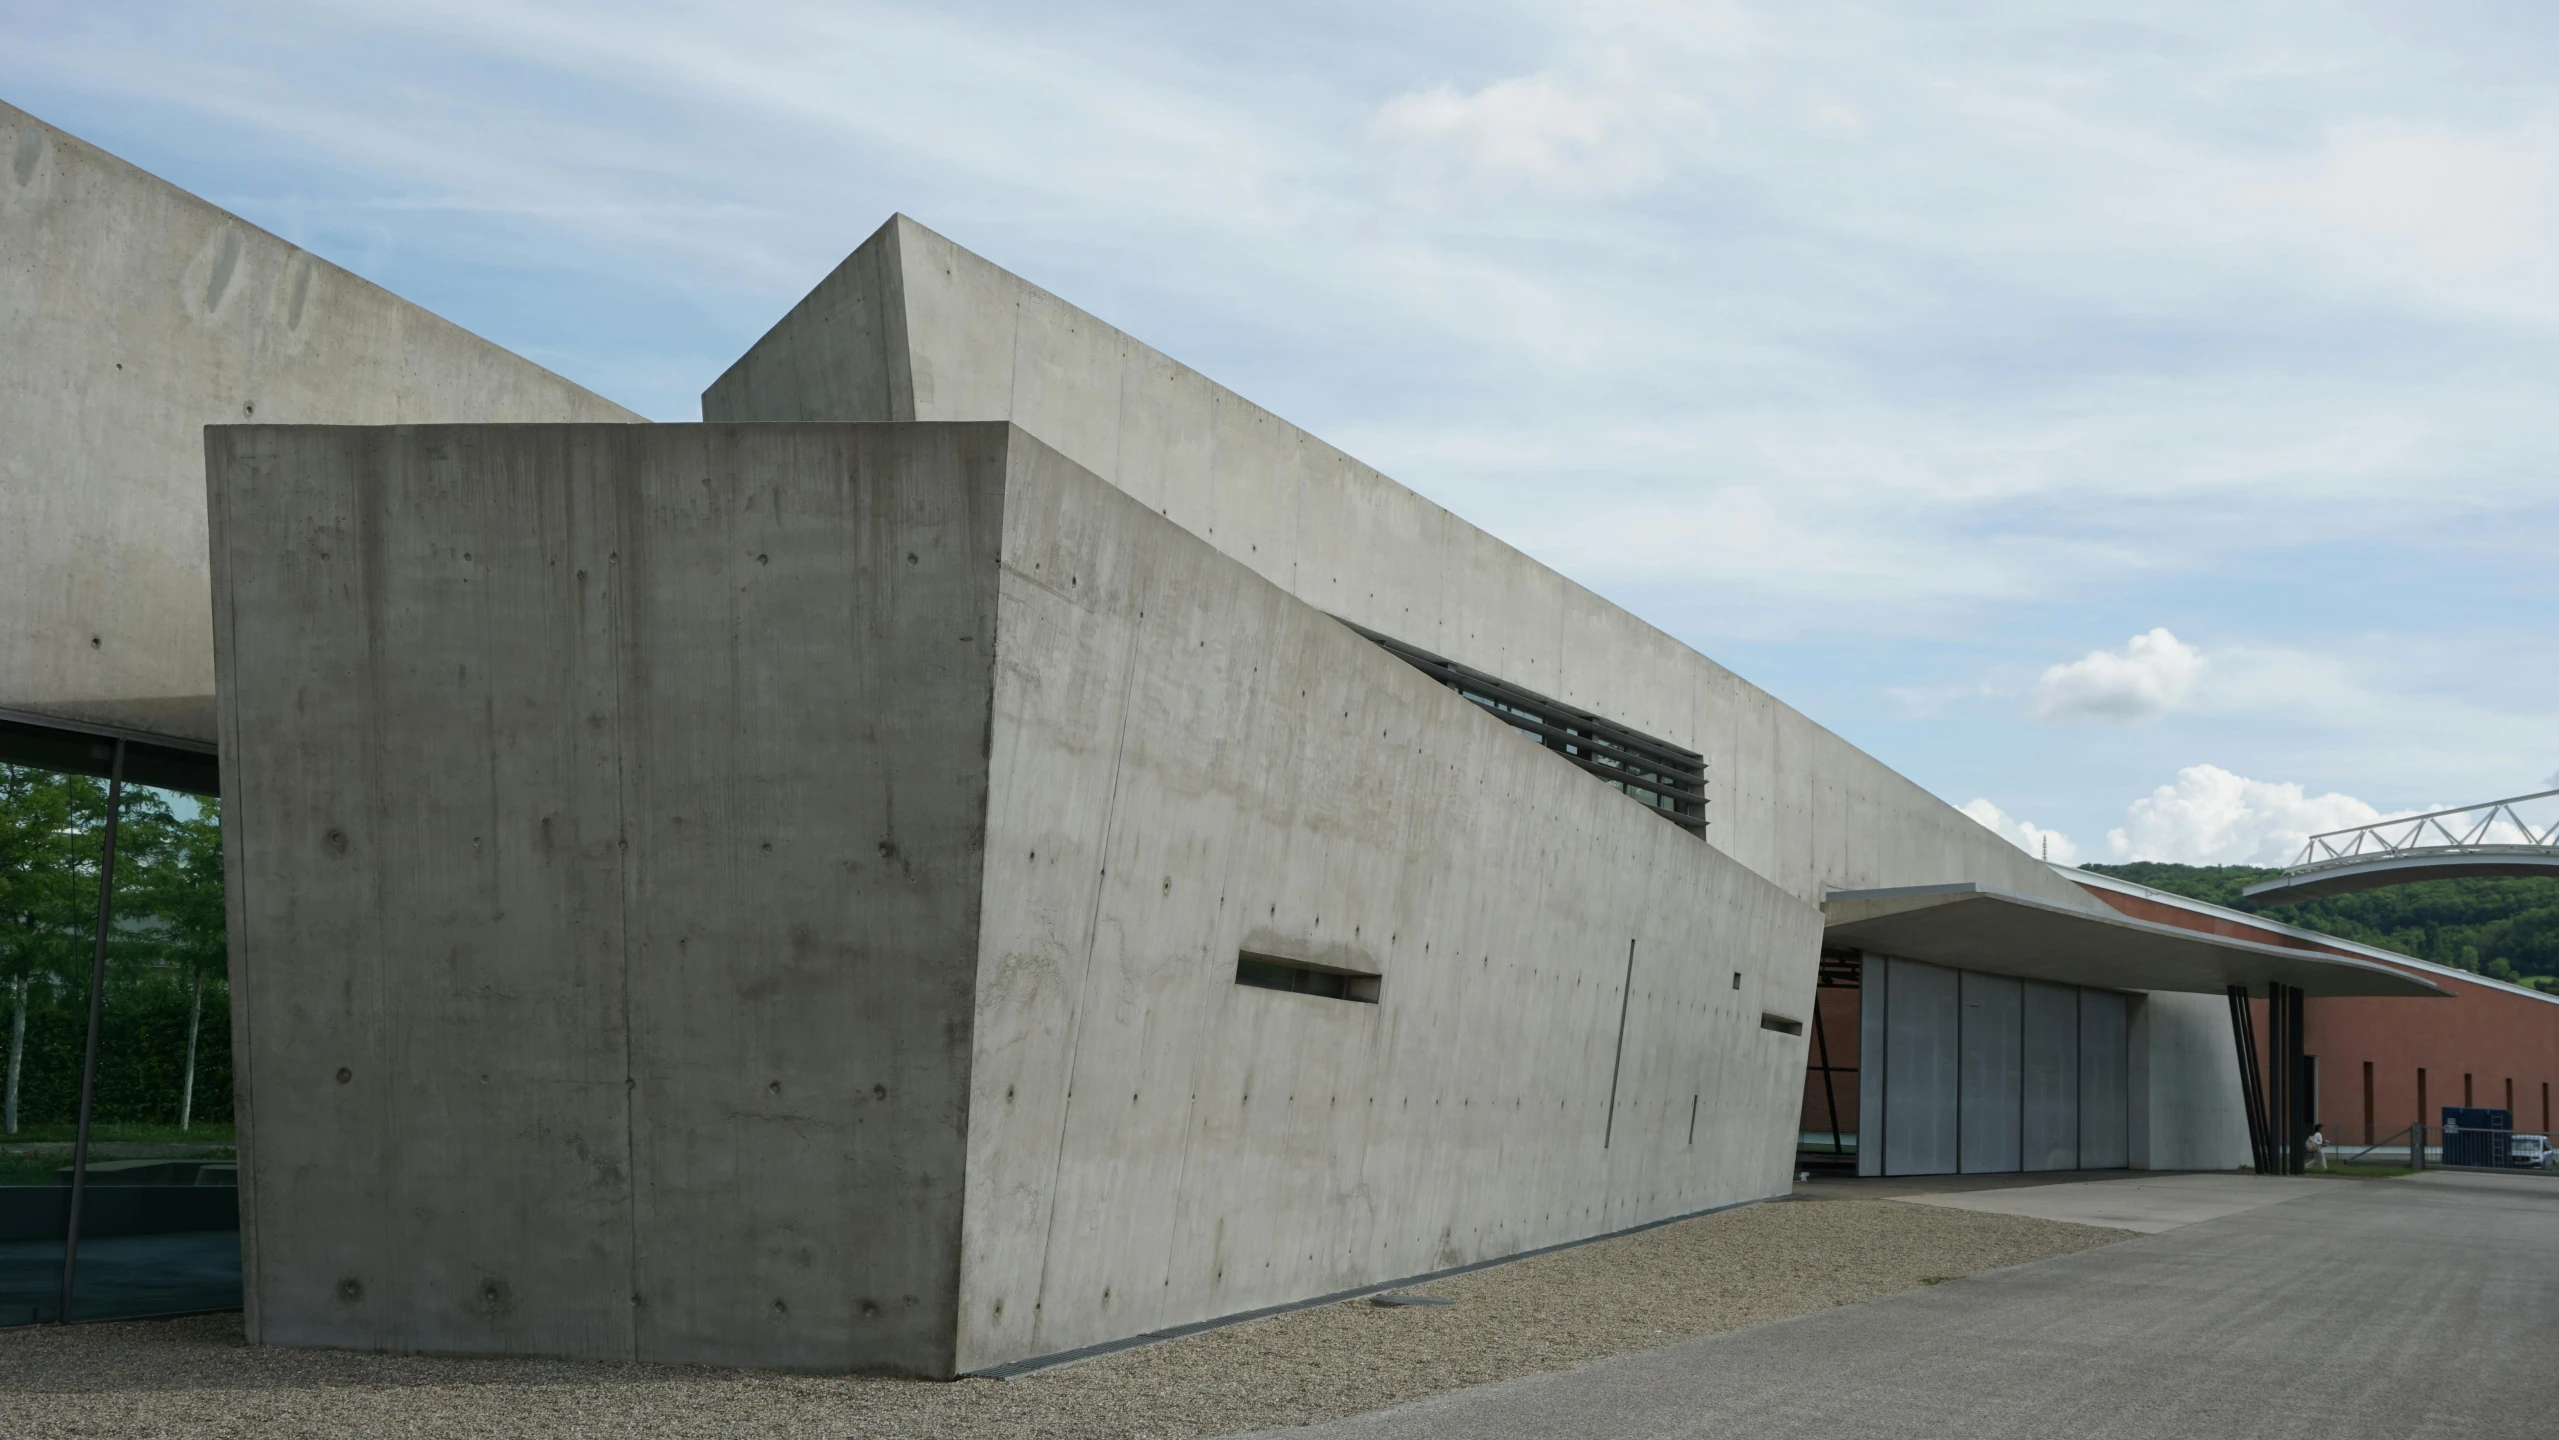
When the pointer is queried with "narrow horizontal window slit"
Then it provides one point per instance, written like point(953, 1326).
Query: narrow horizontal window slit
point(1271, 972)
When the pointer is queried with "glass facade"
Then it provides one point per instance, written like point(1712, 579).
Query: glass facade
point(115, 1081)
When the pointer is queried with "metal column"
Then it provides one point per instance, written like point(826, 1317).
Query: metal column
point(2287, 1104)
point(97, 1008)
point(2252, 1093)
point(2298, 1102)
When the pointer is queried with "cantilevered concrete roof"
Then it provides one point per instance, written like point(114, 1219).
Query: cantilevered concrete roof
point(1975, 928)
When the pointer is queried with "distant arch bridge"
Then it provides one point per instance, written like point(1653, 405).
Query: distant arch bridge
point(2494, 837)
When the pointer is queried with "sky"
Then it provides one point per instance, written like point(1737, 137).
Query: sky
point(2132, 423)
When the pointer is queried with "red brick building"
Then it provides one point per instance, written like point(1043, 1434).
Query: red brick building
point(2385, 1063)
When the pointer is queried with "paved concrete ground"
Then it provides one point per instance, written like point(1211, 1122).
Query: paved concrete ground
point(195, 1378)
point(2147, 1205)
point(1833, 1185)
point(2361, 1308)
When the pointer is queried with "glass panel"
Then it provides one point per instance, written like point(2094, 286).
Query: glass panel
point(159, 1226)
point(1826, 1124)
point(48, 907)
point(1922, 1033)
point(160, 1217)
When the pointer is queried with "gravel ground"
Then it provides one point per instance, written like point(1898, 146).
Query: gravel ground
point(194, 1378)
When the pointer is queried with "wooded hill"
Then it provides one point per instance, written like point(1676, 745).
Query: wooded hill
point(2506, 929)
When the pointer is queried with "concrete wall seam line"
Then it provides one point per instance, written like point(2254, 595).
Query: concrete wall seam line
point(1092, 923)
point(235, 890)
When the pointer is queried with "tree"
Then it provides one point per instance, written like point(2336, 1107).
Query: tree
point(42, 842)
point(165, 939)
point(176, 895)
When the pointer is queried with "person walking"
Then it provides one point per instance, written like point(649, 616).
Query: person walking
point(2318, 1147)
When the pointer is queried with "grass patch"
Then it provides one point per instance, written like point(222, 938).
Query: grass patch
point(30, 1169)
point(36, 1152)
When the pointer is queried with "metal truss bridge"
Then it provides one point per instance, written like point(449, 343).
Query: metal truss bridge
point(2494, 837)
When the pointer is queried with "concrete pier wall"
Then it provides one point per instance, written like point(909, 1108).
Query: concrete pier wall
point(604, 809)
point(132, 315)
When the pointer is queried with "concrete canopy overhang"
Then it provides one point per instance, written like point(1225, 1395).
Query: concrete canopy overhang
point(1971, 927)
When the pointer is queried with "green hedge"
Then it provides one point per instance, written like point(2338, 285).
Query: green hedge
point(142, 1057)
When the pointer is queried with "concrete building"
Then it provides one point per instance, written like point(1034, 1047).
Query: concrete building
point(990, 844)
point(916, 935)
point(914, 783)
point(132, 315)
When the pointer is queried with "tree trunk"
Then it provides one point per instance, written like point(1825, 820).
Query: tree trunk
point(17, 1050)
point(195, 1019)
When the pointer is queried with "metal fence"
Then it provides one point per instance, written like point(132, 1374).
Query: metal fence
point(2454, 1147)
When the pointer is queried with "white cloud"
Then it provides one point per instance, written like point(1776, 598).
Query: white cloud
point(1828, 322)
point(1857, 304)
point(2209, 816)
point(2034, 839)
point(2154, 674)
point(1834, 118)
point(2458, 216)
point(1534, 125)
point(2460, 202)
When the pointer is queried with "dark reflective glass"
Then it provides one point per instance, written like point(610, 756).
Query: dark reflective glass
point(48, 907)
point(159, 1218)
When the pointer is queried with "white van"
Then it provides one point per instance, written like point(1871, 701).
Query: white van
point(2532, 1152)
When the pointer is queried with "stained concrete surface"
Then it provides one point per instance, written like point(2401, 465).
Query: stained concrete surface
point(2420, 1307)
point(603, 813)
point(2147, 1204)
point(132, 315)
point(1189, 762)
point(607, 993)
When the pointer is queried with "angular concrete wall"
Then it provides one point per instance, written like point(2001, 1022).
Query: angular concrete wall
point(1190, 762)
point(132, 315)
point(772, 894)
point(912, 327)
point(604, 808)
